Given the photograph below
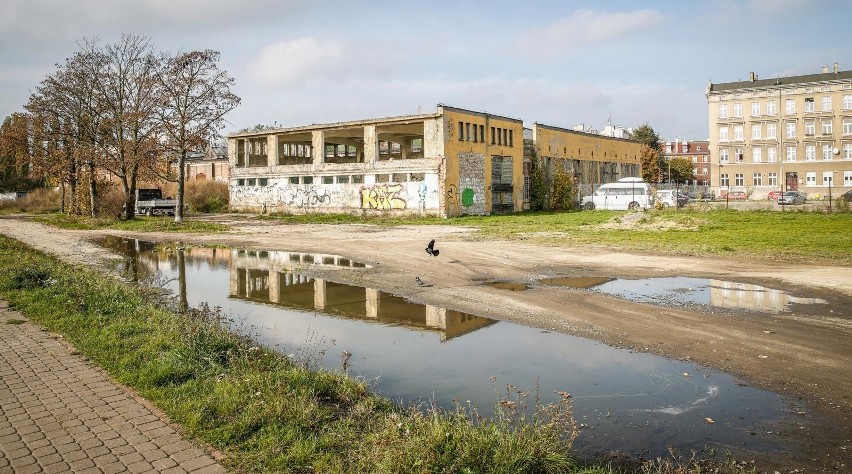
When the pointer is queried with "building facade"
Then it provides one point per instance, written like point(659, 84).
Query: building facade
point(593, 159)
point(785, 133)
point(696, 152)
point(448, 163)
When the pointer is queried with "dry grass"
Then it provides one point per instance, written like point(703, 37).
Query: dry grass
point(39, 201)
point(206, 196)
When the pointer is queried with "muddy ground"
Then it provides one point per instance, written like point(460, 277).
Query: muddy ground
point(805, 354)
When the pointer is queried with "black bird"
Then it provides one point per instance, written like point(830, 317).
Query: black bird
point(419, 281)
point(431, 250)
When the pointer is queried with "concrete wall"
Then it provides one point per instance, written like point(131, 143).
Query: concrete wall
point(468, 183)
point(593, 158)
point(279, 195)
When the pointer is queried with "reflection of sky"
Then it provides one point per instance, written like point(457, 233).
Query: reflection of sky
point(637, 403)
point(720, 293)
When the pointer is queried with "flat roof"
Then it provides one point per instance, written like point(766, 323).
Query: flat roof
point(780, 81)
point(584, 134)
point(394, 120)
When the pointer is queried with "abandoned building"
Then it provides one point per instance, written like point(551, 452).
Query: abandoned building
point(592, 159)
point(448, 163)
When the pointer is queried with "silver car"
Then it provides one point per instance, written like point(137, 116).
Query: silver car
point(792, 197)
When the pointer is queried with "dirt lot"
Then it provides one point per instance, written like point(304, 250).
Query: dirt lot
point(804, 354)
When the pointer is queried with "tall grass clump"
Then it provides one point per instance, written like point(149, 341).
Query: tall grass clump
point(207, 196)
point(264, 411)
point(39, 201)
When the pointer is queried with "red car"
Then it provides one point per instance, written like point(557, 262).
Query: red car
point(773, 195)
point(733, 196)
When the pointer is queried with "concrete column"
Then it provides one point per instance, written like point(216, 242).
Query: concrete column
point(436, 317)
point(318, 146)
point(404, 146)
point(274, 286)
point(232, 151)
point(319, 294)
point(233, 275)
point(272, 150)
point(372, 303)
point(371, 144)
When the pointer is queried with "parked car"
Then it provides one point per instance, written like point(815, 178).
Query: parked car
point(707, 196)
point(773, 195)
point(682, 199)
point(792, 197)
point(733, 196)
point(667, 198)
point(846, 197)
point(627, 193)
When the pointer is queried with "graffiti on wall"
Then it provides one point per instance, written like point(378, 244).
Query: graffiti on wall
point(298, 196)
point(451, 195)
point(471, 183)
point(383, 197)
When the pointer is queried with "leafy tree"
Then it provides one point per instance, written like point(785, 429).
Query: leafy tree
point(679, 170)
point(562, 190)
point(195, 95)
point(646, 134)
point(539, 185)
point(64, 124)
point(652, 156)
point(14, 157)
point(650, 162)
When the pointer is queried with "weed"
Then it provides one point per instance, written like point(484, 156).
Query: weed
point(16, 321)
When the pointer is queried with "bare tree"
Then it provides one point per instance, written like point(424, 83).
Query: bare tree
point(195, 96)
point(64, 123)
point(125, 80)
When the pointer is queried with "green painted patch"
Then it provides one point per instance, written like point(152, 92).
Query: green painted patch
point(467, 197)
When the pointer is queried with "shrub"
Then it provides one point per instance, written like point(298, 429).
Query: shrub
point(206, 196)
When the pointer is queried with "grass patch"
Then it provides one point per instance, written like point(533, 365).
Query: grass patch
point(15, 321)
point(264, 411)
point(809, 237)
point(139, 224)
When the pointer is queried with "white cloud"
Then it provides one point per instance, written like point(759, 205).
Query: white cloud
point(585, 27)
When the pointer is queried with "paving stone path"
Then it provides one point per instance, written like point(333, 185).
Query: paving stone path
point(59, 413)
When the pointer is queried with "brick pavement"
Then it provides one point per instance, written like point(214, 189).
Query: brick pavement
point(59, 413)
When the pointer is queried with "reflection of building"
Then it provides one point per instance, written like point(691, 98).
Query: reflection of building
point(729, 294)
point(274, 278)
point(792, 133)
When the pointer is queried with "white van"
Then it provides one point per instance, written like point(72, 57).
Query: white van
point(627, 193)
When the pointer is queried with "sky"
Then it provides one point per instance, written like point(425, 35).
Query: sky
point(560, 63)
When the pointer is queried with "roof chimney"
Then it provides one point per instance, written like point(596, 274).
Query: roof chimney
point(836, 67)
point(825, 69)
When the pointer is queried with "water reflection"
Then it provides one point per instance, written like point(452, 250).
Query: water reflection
point(684, 290)
point(635, 403)
point(296, 290)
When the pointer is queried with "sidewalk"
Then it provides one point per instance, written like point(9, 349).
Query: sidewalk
point(58, 413)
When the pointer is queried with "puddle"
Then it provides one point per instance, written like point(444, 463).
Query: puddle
point(634, 403)
point(509, 285)
point(681, 291)
point(575, 282)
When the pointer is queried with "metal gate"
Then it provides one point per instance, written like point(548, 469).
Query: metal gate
point(502, 190)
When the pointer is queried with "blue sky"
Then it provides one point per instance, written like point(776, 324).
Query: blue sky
point(561, 63)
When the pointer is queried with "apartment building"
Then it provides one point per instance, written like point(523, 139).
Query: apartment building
point(448, 163)
point(696, 152)
point(784, 133)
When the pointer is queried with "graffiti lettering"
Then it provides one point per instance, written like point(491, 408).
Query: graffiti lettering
point(300, 197)
point(382, 197)
point(451, 194)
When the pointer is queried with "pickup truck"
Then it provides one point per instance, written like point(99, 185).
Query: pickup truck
point(150, 202)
